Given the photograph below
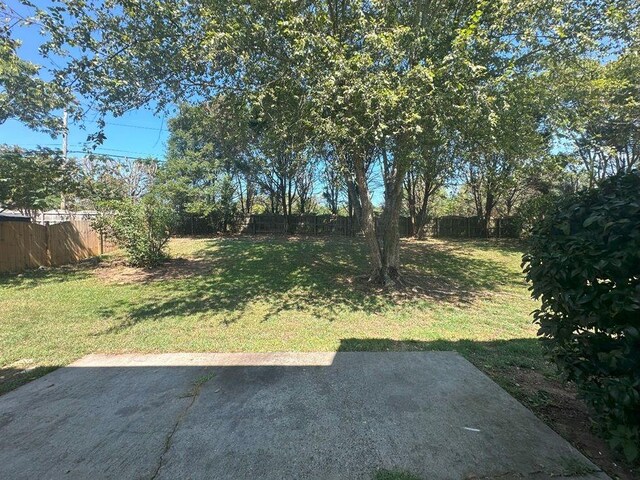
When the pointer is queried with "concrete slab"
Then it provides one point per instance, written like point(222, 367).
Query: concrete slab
point(273, 416)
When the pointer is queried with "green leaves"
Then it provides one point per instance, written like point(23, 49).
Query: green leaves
point(34, 179)
point(583, 263)
point(141, 227)
point(24, 96)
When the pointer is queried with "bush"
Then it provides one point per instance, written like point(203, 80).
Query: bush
point(142, 228)
point(583, 263)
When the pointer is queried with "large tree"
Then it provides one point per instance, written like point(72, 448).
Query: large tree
point(435, 161)
point(500, 154)
point(361, 76)
point(107, 178)
point(208, 173)
point(599, 113)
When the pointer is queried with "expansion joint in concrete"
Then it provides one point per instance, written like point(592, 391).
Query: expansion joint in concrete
point(192, 394)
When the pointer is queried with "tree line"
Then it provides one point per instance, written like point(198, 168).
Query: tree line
point(383, 107)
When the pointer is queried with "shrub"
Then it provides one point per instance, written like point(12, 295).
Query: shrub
point(142, 228)
point(583, 263)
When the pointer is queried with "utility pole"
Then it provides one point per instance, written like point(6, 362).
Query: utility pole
point(65, 148)
point(65, 134)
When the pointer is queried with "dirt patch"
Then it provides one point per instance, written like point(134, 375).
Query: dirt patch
point(415, 286)
point(119, 273)
point(559, 406)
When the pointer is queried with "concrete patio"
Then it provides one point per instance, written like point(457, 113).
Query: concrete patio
point(338, 415)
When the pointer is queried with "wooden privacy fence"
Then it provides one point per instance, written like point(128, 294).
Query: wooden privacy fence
point(309, 224)
point(471, 227)
point(30, 245)
point(451, 226)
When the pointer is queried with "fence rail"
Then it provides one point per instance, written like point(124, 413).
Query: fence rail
point(472, 227)
point(301, 224)
point(30, 245)
point(451, 226)
point(310, 224)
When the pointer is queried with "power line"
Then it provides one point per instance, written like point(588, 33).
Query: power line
point(33, 144)
point(78, 145)
point(128, 125)
point(119, 150)
point(111, 155)
point(159, 133)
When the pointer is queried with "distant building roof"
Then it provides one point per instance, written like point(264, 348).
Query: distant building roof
point(12, 216)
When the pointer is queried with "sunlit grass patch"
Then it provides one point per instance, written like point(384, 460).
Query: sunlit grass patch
point(273, 294)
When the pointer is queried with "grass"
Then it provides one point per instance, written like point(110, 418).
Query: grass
point(272, 294)
point(295, 294)
point(394, 475)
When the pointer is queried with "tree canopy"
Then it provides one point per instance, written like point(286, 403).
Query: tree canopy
point(24, 95)
point(32, 180)
point(409, 88)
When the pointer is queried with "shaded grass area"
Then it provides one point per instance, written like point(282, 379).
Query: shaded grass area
point(394, 475)
point(294, 294)
point(271, 294)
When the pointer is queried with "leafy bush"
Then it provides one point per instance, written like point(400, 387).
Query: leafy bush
point(583, 263)
point(141, 227)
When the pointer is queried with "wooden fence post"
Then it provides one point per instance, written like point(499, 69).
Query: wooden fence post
point(47, 244)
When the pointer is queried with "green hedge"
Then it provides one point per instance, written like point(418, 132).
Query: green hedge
point(583, 263)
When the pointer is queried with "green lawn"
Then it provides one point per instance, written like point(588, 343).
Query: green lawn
point(272, 294)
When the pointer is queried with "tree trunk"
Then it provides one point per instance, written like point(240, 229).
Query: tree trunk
point(283, 195)
point(488, 211)
point(411, 203)
point(355, 207)
point(250, 197)
point(384, 255)
point(421, 217)
point(367, 220)
point(391, 235)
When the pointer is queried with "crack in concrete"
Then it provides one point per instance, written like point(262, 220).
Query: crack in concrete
point(193, 394)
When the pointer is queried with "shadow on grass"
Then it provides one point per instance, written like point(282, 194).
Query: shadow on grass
point(450, 271)
point(43, 276)
point(14, 377)
point(492, 355)
point(510, 245)
point(320, 276)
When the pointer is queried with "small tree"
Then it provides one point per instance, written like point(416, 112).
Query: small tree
point(142, 228)
point(106, 178)
point(584, 265)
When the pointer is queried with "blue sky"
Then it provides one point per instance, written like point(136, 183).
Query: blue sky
point(139, 133)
